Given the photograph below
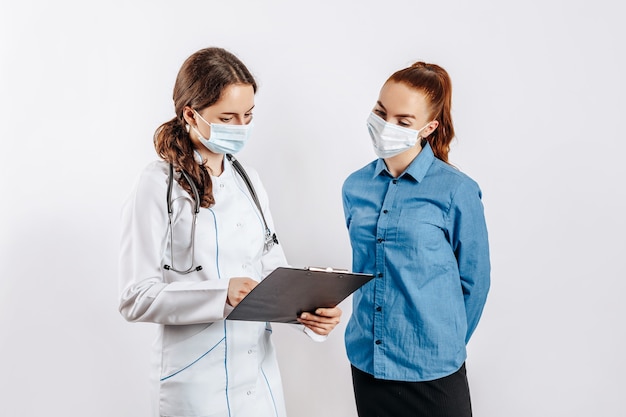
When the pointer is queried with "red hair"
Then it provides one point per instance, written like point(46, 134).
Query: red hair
point(435, 83)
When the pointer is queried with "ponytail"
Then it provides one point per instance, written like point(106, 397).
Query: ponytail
point(172, 143)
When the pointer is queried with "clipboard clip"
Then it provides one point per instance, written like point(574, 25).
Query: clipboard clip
point(327, 269)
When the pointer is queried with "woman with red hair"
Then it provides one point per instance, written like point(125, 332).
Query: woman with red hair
point(416, 223)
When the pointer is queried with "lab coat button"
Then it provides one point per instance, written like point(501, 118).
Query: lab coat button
point(249, 351)
point(222, 185)
point(249, 392)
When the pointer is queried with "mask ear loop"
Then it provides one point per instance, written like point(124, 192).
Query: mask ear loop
point(424, 141)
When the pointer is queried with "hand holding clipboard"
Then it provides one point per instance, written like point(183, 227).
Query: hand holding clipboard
point(287, 292)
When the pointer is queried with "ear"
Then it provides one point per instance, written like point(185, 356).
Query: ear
point(430, 128)
point(190, 116)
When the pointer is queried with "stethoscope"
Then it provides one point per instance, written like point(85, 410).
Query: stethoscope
point(270, 238)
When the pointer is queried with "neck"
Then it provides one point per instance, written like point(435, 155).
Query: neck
point(214, 162)
point(396, 165)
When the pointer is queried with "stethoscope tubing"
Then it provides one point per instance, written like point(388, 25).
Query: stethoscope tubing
point(270, 238)
point(193, 222)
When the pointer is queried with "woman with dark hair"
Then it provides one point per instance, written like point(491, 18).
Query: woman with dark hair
point(196, 238)
point(417, 224)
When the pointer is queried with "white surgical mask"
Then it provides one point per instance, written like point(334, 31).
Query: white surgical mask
point(390, 139)
point(225, 138)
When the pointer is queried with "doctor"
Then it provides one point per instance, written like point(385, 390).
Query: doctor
point(187, 269)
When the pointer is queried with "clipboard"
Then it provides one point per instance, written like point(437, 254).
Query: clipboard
point(287, 292)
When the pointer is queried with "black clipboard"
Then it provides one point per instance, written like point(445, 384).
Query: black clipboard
point(287, 292)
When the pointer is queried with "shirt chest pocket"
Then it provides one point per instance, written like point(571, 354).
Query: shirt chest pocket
point(422, 228)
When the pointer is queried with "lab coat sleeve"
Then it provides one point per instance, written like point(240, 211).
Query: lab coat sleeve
point(144, 294)
point(276, 256)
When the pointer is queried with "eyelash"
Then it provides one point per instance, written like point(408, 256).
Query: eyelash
point(383, 115)
point(226, 120)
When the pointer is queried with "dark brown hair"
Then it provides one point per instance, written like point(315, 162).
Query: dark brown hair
point(434, 82)
point(200, 83)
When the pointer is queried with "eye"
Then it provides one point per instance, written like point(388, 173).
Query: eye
point(403, 123)
point(226, 119)
point(380, 113)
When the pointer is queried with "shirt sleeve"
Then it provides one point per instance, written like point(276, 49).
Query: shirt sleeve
point(145, 296)
point(468, 237)
point(346, 204)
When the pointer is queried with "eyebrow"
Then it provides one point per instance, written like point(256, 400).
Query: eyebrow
point(235, 114)
point(409, 116)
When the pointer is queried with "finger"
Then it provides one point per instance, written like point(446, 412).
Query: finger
point(314, 318)
point(328, 312)
point(319, 329)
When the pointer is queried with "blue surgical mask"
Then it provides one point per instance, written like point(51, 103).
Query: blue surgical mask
point(389, 139)
point(225, 138)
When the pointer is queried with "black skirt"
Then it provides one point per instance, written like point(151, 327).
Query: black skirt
point(444, 397)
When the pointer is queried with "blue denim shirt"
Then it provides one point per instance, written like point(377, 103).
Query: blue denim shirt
point(423, 235)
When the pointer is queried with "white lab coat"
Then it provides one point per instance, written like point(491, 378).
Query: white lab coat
point(204, 365)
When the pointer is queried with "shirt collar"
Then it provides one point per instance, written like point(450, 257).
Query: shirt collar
point(417, 168)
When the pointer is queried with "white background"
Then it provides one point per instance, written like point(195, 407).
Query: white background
point(539, 111)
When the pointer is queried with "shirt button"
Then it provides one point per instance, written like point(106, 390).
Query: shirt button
point(244, 266)
point(395, 181)
point(222, 185)
point(385, 211)
point(380, 240)
point(380, 275)
point(378, 342)
point(239, 225)
point(379, 309)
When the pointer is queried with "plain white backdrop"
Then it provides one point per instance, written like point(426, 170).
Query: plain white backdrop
point(539, 111)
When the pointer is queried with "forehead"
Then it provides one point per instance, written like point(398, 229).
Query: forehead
point(236, 96)
point(401, 98)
